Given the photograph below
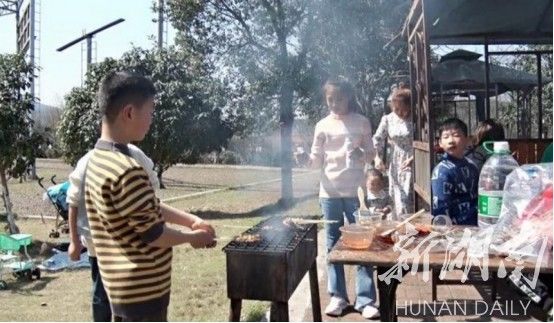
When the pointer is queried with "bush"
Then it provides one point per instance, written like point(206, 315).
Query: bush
point(229, 157)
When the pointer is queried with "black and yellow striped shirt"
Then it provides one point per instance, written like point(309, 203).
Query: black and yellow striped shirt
point(124, 216)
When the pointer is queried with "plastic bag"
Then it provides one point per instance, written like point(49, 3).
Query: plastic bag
point(524, 229)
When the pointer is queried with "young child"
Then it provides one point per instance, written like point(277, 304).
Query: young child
point(79, 229)
point(455, 179)
point(341, 148)
point(377, 199)
point(128, 225)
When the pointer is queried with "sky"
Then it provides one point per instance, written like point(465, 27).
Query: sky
point(64, 20)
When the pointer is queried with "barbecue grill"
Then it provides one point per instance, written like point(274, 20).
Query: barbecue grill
point(271, 267)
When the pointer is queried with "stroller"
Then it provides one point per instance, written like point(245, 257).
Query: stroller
point(57, 196)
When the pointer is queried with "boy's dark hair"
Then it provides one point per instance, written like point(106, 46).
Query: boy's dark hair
point(117, 89)
point(373, 172)
point(453, 124)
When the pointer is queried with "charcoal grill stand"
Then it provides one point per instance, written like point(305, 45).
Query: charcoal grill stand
point(272, 269)
point(280, 310)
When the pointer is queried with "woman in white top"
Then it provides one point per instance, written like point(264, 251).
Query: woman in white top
point(341, 148)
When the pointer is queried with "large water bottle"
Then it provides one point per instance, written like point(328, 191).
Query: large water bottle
point(491, 182)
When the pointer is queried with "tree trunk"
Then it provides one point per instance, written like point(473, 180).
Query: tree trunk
point(34, 176)
point(286, 121)
point(7, 203)
point(160, 171)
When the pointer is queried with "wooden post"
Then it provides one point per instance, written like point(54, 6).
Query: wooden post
point(487, 80)
point(539, 93)
point(435, 279)
point(496, 102)
point(517, 115)
point(469, 112)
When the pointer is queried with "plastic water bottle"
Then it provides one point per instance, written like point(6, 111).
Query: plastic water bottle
point(491, 182)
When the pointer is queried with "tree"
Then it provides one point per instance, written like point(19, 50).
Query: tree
point(361, 41)
point(16, 139)
point(274, 55)
point(528, 63)
point(79, 127)
point(257, 42)
point(186, 121)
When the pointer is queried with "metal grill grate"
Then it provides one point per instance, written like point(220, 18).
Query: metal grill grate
point(275, 236)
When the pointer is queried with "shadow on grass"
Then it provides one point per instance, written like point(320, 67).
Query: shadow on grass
point(270, 209)
point(175, 183)
point(29, 287)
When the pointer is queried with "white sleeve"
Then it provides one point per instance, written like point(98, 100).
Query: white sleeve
point(146, 163)
point(76, 181)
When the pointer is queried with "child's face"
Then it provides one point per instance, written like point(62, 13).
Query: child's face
point(401, 110)
point(336, 100)
point(142, 119)
point(454, 142)
point(374, 184)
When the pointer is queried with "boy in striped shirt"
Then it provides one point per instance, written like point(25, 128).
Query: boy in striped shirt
point(127, 224)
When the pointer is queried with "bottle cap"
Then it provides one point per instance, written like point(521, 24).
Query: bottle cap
point(501, 147)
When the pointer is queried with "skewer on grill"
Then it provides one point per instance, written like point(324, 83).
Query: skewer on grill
point(231, 226)
point(223, 238)
point(288, 221)
point(247, 238)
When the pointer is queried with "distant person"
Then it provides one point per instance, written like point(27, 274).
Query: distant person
point(301, 157)
point(396, 128)
point(488, 130)
point(128, 224)
point(341, 148)
point(455, 179)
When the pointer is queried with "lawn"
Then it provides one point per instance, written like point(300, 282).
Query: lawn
point(180, 180)
point(198, 281)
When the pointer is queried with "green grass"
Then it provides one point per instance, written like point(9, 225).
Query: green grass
point(198, 278)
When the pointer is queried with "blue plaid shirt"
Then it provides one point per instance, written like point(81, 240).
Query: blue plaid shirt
point(454, 189)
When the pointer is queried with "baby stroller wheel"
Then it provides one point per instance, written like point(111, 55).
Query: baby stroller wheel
point(36, 273)
point(23, 274)
point(29, 275)
point(3, 285)
point(54, 234)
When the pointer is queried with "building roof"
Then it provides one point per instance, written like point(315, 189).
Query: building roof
point(496, 21)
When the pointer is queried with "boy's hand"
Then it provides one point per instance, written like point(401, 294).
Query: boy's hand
point(203, 225)
point(202, 239)
point(74, 250)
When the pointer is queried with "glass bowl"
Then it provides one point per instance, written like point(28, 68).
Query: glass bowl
point(357, 236)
